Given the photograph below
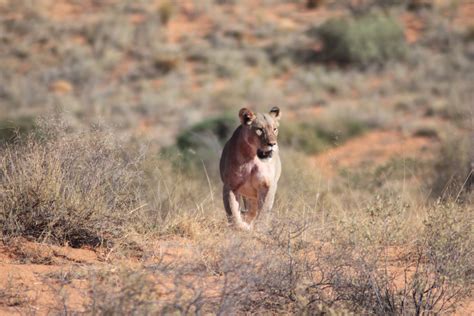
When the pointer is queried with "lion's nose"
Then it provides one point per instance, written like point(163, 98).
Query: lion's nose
point(271, 144)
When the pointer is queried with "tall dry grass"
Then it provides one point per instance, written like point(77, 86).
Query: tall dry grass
point(326, 246)
point(59, 187)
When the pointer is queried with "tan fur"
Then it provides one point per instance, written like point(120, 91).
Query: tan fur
point(250, 167)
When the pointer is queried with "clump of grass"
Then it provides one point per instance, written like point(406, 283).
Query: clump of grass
point(453, 169)
point(368, 39)
point(65, 188)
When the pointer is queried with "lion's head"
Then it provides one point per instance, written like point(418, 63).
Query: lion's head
point(261, 130)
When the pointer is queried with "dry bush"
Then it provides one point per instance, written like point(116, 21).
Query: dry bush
point(122, 291)
point(12, 294)
point(67, 188)
point(447, 242)
point(264, 272)
point(391, 254)
point(153, 289)
point(88, 188)
point(374, 267)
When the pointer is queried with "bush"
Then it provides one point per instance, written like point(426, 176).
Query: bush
point(62, 188)
point(364, 40)
point(317, 136)
point(10, 129)
point(302, 137)
point(122, 291)
point(203, 142)
point(449, 243)
point(375, 267)
point(453, 173)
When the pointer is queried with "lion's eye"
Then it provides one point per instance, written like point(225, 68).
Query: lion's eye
point(275, 130)
point(259, 131)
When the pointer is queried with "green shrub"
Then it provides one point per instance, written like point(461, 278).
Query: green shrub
point(203, 142)
point(364, 40)
point(317, 136)
point(453, 167)
point(10, 129)
point(302, 137)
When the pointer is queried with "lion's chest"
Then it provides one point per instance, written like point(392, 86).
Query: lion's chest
point(255, 175)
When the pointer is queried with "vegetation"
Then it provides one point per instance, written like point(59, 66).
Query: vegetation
point(454, 168)
point(12, 129)
point(317, 253)
point(74, 189)
point(203, 142)
point(114, 206)
point(364, 40)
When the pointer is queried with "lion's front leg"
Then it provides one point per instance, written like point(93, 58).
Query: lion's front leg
point(252, 211)
point(265, 200)
point(266, 196)
point(231, 205)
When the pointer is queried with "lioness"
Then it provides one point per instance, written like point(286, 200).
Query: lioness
point(250, 167)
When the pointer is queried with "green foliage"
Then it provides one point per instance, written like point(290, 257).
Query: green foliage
point(10, 129)
point(203, 142)
point(195, 137)
point(453, 167)
point(315, 137)
point(343, 129)
point(302, 137)
point(364, 40)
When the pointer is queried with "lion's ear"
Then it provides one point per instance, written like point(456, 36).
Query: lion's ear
point(246, 116)
point(275, 112)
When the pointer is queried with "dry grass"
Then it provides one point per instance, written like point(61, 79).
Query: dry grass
point(322, 250)
point(78, 189)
